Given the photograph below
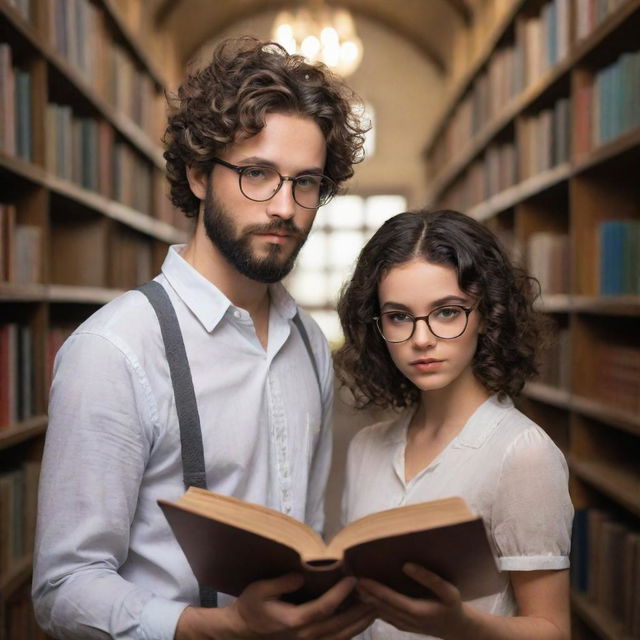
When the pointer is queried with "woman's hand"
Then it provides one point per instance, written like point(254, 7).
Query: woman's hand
point(542, 598)
point(442, 616)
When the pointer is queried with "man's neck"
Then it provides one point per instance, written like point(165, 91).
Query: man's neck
point(243, 292)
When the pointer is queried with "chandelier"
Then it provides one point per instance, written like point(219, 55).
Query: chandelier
point(320, 34)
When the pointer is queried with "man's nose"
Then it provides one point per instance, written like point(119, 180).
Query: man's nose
point(282, 205)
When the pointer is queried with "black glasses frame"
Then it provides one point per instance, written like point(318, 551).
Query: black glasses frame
point(242, 169)
point(467, 311)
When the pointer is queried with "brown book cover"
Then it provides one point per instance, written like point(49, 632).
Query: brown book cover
point(230, 543)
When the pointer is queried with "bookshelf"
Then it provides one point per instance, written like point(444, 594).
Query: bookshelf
point(83, 217)
point(551, 167)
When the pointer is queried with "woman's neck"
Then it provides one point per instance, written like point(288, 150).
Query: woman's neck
point(444, 412)
point(439, 418)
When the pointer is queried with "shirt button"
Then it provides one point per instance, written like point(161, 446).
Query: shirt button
point(237, 315)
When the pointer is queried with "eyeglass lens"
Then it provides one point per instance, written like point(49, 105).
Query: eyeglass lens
point(261, 183)
point(444, 322)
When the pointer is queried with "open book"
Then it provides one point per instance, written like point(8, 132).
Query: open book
point(230, 543)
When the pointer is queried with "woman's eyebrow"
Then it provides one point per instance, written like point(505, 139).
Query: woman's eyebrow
point(449, 300)
point(434, 304)
point(394, 305)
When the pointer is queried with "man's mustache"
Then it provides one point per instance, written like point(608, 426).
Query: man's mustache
point(283, 226)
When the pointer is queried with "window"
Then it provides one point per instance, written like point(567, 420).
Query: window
point(327, 260)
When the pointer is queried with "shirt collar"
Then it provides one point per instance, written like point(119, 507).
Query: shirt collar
point(483, 422)
point(204, 299)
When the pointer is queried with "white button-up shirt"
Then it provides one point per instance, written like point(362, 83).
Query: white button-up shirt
point(505, 467)
point(106, 561)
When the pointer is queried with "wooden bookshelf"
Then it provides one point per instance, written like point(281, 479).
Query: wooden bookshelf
point(600, 621)
point(592, 406)
point(619, 483)
point(80, 222)
point(31, 428)
point(15, 576)
point(548, 395)
point(528, 188)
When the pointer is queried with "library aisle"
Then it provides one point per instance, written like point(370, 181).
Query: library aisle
point(527, 117)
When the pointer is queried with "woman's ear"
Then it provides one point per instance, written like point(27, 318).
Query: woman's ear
point(198, 181)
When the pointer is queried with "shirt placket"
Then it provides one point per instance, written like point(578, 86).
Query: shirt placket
point(279, 441)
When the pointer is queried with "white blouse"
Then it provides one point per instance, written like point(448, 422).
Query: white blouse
point(506, 468)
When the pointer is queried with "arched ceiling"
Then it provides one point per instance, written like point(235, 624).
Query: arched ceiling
point(427, 24)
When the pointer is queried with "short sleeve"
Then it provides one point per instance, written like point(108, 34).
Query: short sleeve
point(532, 514)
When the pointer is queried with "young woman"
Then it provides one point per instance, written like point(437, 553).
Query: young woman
point(439, 325)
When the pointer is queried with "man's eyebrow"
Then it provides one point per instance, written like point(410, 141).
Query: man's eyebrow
point(262, 162)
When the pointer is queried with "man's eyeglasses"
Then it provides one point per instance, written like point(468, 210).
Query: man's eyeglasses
point(260, 183)
point(445, 322)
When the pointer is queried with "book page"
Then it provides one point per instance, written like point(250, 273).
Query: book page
point(413, 517)
point(255, 518)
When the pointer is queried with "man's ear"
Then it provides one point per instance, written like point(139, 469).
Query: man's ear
point(197, 182)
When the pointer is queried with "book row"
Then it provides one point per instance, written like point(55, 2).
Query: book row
point(547, 259)
point(20, 248)
point(589, 14)
point(555, 368)
point(495, 171)
point(79, 32)
point(609, 105)
point(540, 42)
point(95, 253)
point(18, 499)
point(17, 376)
point(618, 376)
point(605, 566)
point(86, 151)
point(542, 142)
point(17, 401)
point(15, 106)
point(619, 257)
point(544, 139)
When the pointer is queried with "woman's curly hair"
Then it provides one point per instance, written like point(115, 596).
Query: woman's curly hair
point(512, 331)
point(246, 80)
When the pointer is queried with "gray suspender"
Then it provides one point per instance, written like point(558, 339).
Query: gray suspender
point(193, 467)
point(297, 320)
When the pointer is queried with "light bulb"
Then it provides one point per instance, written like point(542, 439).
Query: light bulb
point(310, 47)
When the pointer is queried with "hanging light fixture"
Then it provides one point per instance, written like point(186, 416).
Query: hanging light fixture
point(320, 34)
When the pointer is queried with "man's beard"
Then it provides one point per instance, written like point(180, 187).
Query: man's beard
point(235, 245)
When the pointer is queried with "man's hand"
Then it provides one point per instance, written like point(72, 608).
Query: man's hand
point(259, 613)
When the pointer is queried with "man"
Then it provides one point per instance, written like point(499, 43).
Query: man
point(259, 139)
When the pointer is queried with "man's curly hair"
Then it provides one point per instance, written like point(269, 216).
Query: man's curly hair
point(512, 331)
point(246, 80)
